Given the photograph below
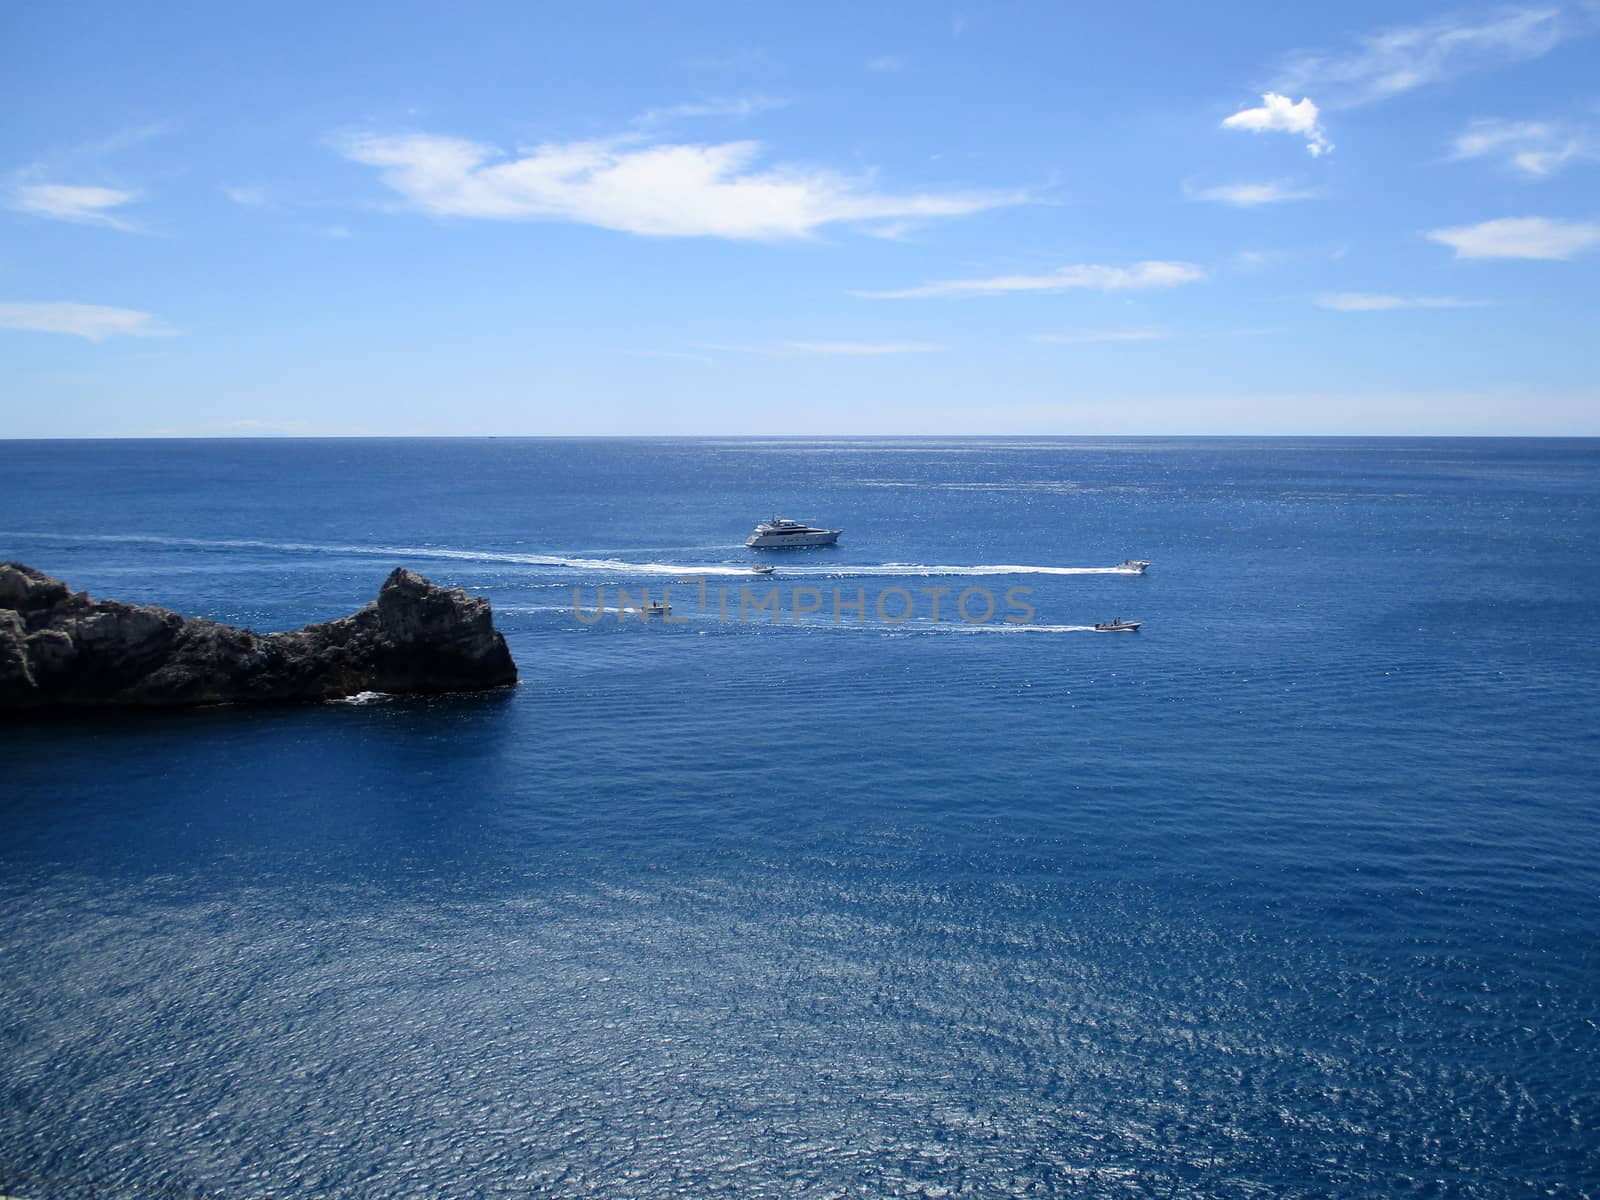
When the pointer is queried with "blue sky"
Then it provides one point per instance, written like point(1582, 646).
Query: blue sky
point(1051, 218)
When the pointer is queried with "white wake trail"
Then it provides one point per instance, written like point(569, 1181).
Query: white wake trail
point(582, 563)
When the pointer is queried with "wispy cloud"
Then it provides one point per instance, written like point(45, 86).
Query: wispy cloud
point(1520, 237)
point(93, 150)
point(663, 190)
point(1374, 302)
point(93, 321)
point(1279, 114)
point(1537, 149)
point(1142, 275)
point(248, 197)
point(886, 63)
point(1490, 137)
point(1404, 57)
point(1255, 260)
point(71, 202)
point(733, 107)
point(34, 188)
point(1100, 335)
point(1250, 195)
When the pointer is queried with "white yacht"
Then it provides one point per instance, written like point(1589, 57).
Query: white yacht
point(780, 533)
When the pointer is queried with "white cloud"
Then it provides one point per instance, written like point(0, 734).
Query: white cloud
point(1486, 137)
point(737, 107)
point(1084, 275)
point(69, 202)
point(1255, 260)
point(1535, 148)
point(1100, 335)
point(29, 188)
point(1279, 114)
point(886, 63)
point(1404, 57)
point(1519, 237)
point(1540, 163)
point(1373, 302)
point(663, 190)
point(92, 321)
point(1250, 195)
point(248, 197)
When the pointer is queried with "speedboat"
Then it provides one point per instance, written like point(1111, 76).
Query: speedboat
point(1137, 565)
point(780, 533)
point(657, 606)
point(1117, 625)
point(763, 568)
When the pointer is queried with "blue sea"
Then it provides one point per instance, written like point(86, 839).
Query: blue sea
point(1293, 893)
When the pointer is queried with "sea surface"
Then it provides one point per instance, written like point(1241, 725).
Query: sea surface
point(1293, 893)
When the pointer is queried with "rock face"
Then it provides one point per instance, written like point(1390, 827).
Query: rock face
point(60, 649)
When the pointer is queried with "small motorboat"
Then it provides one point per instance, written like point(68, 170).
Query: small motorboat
point(656, 606)
point(763, 568)
point(1137, 565)
point(1117, 625)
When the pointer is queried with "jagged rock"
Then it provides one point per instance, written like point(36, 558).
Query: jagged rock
point(23, 589)
point(60, 649)
point(16, 672)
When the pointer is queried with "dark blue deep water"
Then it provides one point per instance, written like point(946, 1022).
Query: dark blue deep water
point(1295, 892)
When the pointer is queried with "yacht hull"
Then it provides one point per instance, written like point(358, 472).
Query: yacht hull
point(793, 541)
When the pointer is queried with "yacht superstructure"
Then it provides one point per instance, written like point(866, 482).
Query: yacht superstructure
point(780, 533)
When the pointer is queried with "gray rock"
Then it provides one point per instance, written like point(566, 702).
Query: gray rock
point(23, 589)
point(16, 672)
point(60, 649)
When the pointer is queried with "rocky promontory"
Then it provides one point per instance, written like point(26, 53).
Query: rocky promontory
point(59, 649)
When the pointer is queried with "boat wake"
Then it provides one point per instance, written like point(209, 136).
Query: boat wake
point(685, 614)
point(580, 563)
point(989, 569)
point(1022, 628)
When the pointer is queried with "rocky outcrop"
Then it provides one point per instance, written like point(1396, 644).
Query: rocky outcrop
point(60, 649)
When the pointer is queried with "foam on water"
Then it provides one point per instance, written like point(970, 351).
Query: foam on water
point(572, 562)
point(631, 617)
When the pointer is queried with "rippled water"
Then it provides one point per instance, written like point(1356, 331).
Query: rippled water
point(1294, 892)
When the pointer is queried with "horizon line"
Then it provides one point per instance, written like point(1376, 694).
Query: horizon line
point(779, 437)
